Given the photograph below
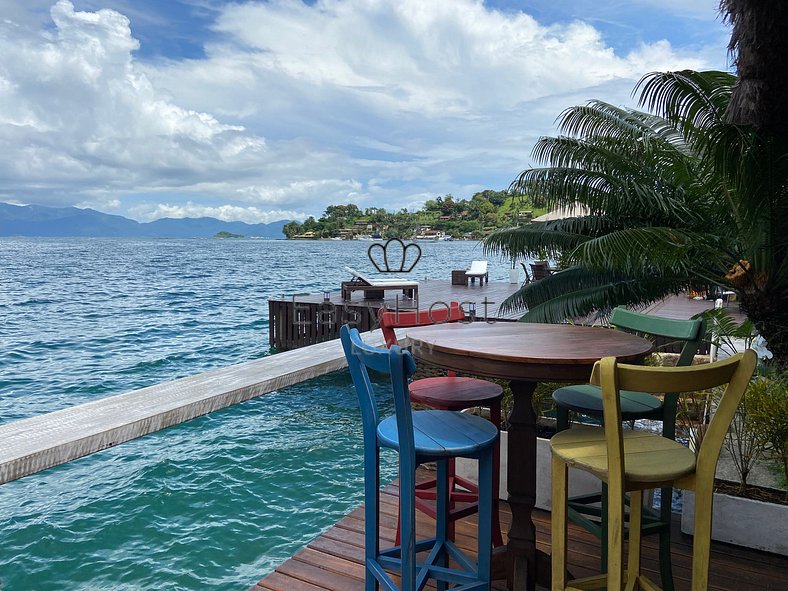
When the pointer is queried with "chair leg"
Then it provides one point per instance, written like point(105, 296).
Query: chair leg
point(371, 515)
point(561, 418)
point(559, 523)
point(635, 531)
point(450, 484)
point(615, 538)
point(603, 528)
point(486, 518)
point(495, 418)
point(443, 527)
point(407, 519)
point(665, 566)
point(701, 543)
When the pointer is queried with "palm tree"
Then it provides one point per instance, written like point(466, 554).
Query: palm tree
point(677, 198)
point(758, 105)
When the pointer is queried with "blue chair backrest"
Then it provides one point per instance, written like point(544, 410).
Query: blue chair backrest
point(395, 362)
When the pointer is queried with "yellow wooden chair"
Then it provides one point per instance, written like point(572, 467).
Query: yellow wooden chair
point(634, 461)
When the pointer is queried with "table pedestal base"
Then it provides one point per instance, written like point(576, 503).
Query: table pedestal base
point(527, 565)
point(515, 571)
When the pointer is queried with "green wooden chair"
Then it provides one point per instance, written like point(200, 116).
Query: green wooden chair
point(633, 461)
point(590, 511)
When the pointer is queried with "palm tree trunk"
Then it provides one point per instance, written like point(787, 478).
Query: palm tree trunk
point(757, 46)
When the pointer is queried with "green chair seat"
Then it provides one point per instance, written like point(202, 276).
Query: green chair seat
point(587, 399)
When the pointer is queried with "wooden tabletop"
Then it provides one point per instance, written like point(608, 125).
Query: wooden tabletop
point(521, 350)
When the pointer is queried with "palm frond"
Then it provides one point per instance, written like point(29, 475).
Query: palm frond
point(579, 294)
point(533, 240)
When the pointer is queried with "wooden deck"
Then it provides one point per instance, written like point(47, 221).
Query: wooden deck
point(307, 319)
point(333, 561)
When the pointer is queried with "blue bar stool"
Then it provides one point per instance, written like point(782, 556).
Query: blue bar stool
point(449, 392)
point(418, 437)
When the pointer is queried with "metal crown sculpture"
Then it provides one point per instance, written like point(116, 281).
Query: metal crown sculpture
point(383, 264)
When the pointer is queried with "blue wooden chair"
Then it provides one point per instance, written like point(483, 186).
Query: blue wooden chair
point(418, 437)
point(449, 393)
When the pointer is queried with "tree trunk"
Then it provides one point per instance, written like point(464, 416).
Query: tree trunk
point(757, 47)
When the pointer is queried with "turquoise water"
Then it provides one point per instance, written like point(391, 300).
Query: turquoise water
point(215, 503)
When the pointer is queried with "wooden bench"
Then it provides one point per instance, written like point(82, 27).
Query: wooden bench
point(374, 289)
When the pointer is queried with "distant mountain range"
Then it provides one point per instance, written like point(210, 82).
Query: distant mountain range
point(36, 220)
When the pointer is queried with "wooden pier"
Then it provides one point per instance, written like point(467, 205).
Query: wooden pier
point(334, 560)
point(306, 319)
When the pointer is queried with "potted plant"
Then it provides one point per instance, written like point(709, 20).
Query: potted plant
point(744, 514)
point(741, 515)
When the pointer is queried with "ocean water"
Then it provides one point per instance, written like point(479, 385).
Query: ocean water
point(215, 503)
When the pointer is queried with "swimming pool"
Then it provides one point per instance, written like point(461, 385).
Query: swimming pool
point(214, 503)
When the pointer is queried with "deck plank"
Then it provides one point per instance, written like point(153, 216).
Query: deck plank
point(334, 560)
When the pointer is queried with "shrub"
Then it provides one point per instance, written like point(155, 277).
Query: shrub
point(768, 404)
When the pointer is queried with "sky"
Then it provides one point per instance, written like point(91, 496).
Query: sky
point(269, 110)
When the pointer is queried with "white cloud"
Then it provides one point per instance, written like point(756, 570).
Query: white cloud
point(438, 58)
point(76, 112)
point(297, 106)
point(227, 213)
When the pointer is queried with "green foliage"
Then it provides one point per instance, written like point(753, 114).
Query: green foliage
point(767, 403)
point(455, 217)
point(676, 198)
point(693, 414)
point(743, 440)
point(759, 428)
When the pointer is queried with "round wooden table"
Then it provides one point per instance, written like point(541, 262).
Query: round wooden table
point(525, 354)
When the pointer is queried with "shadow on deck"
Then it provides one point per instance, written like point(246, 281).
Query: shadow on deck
point(333, 561)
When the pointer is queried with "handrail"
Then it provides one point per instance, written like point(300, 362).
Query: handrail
point(30, 445)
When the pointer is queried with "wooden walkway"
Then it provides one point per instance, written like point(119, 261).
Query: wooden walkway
point(306, 319)
point(333, 561)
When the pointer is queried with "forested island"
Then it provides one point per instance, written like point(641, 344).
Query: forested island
point(441, 218)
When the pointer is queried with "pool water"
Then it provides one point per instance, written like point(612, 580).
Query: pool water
point(165, 511)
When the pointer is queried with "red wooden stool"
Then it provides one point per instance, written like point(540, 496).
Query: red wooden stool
point(449, 393)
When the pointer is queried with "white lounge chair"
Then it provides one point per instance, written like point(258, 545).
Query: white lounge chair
point(374, 288)
point(478, 269)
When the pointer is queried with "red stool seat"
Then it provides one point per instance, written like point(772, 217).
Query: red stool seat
point(454, 393)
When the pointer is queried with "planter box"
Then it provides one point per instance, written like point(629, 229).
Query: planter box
point(579, 482)
point(744, 522)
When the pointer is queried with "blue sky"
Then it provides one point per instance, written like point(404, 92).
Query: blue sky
point(258, 111)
